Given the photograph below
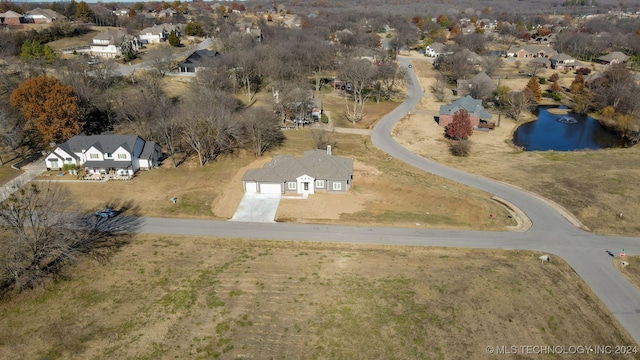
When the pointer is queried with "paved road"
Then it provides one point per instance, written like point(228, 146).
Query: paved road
point(550, 231)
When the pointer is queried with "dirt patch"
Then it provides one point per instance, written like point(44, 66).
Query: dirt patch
point(166, 297)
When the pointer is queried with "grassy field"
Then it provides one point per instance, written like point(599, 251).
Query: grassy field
point(169, 297)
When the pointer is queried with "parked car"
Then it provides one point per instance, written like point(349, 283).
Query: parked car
point(107, 213)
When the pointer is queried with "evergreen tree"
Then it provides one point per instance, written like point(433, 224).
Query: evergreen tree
point(174, 39)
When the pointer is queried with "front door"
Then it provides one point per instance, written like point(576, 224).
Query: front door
point(305, 186)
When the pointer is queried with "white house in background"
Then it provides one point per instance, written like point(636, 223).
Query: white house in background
point(436, 49)
point(103, 154)
point(113, 43)
point(158, 33)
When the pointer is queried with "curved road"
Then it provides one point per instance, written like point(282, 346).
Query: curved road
point(550, 232)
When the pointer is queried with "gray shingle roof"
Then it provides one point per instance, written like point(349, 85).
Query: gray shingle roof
point(148, 150)
point(616, 55)
point(104, 143)
point(473, 107)
point(315, 163)
point(198, 57)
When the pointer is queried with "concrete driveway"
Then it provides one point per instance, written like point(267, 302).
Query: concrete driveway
point(257, 208)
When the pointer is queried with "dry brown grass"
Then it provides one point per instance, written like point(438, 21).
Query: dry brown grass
point(333, 104)
point(385, 192)
point(180, 297)
point(632, 271)
point(593, 185)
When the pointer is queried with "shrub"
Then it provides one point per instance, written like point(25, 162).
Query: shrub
point(67, 167)
point(554, 77)
point(460, 148)
point(324, 118)
point(553, 96)
point(542, 80)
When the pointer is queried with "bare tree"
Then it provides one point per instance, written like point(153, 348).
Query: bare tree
point(515, 102)
point(391, 76)
point(491, 64)
point(44, 238)
point(360, 74)
point(209, 127)
point(262, 128)
point(161, 59)
point(438, 88)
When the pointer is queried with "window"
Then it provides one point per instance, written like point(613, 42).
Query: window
point(122, 156)
point(337, 186)
point(109, 155)
point(320, 184)
point(94, 156)
point(291, 185)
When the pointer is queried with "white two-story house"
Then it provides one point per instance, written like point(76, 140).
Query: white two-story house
point(122, 155)
point(113, 43)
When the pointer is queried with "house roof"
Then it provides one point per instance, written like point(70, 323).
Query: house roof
point(48, 13)
point(473, 106)
point(198, 57)
point(115, 36)
point(616, 55)
point(160, 28)
point(149, 148)
point(10, 14)
point(533, 49)
point(561, 57)
point(478, 79)
point(437, 47)
point(104, 143)
point(315, 163)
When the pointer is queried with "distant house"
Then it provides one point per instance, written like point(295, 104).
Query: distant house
point(42, 16)
point(113, 43)
point(197, 60)
point(103, 154)
point(474, 107)
point(11, 18)
point(479, 83)
point(436, 49)
point(158, 33)
point(539, 62)
point(166, 13)
point(531, 51)
point(316, 170)
point(613, 58)
point(563, 61)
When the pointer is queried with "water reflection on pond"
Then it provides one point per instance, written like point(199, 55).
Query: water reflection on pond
point(565, 131)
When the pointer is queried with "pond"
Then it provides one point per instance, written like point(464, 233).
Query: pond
point(564, 131)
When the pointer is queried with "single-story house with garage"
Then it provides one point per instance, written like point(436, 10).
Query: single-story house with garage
point(122, 155)
point(474, 107)
point(198, 59)
point(613, 58)
point(316, 170)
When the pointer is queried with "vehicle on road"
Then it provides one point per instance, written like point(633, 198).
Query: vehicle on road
point(107, 213)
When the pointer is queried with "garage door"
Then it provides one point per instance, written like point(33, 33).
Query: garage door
point(250, 187)
point(270, 189)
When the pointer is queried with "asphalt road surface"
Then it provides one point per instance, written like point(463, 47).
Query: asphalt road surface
point(550, 233)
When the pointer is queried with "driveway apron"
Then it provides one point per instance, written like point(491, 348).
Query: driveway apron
point(257, 208)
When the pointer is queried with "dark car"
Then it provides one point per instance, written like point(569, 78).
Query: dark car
point(107, 213)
